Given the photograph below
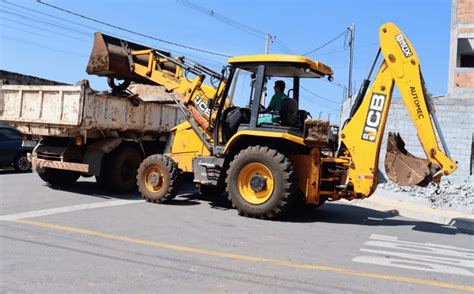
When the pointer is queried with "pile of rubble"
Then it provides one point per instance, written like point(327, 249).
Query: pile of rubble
point(445, 195)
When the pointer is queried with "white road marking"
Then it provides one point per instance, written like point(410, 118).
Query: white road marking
point(442, 258)
point(413, 264)
point(395, 239)
point(57, 210)
point(420, 247)
point(438, 259)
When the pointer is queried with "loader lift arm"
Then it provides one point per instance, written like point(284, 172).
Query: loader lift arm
point(116, 58)
point(362, 135)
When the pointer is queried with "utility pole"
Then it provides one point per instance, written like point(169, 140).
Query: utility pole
point(267, 43)
point(268, 38)
point(351, 29)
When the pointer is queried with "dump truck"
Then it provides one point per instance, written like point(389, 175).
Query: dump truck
point(267, 165)
point(89, 133)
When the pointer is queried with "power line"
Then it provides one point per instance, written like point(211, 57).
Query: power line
point(231, 22)
point(344, 50)
point(131, 31)
point(327, 43)
point(206, 60)
point(289, 81)
point(327, 108)
point(42, 46)
point(41, 29)
point(319, 96)
point(238, 25)
point(337, 84)
point(49, 15)
point(36, 19)
point(36, 33)
point(282, 45)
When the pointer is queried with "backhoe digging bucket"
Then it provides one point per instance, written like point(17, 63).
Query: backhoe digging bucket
point(109, 58)
point(402, 167)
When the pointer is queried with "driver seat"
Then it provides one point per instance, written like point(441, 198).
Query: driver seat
point(289, 112)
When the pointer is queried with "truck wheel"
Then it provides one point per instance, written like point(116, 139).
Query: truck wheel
point(21, 163)
point(158, 178)
point(57, 177)
point(120, 170)
point(261, 183)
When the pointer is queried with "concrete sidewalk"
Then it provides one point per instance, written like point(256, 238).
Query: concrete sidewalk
point(408, 208)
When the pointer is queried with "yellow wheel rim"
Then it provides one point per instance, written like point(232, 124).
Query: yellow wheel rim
point(255, 183)
point(154, 180)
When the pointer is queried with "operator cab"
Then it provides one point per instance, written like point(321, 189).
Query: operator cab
point(252, 78)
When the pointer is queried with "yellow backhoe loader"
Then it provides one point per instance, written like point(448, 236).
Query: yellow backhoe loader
point(267, 162)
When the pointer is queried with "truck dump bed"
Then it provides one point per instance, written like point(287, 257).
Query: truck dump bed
point(66, 110)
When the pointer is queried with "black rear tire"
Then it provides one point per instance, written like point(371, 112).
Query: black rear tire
point(21, 163)
point(158, 178)
point(283, 180)
point(57, 177)
point(120, 170)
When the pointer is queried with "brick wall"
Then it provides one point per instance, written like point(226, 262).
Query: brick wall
point(464, 79)
point(456, 117)
point(461, 79)
point(465, 11)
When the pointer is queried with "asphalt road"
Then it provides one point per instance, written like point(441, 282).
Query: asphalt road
point(83, 239)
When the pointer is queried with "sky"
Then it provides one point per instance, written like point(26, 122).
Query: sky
point(57, 46)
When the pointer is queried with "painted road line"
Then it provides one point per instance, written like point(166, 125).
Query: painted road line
point(227, 255)
point(57, 210)
point(392, 252)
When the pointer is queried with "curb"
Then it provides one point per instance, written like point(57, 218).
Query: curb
point(449, 218)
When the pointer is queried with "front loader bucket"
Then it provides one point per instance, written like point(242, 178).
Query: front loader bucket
point(402, 167)
point(108, 58)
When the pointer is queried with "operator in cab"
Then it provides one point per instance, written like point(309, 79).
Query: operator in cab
point(277, 98)
point(275, 105)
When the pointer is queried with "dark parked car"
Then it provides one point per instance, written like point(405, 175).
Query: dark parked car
point(13, 149)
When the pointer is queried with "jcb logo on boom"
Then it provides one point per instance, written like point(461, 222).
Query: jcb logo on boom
point(374, 116)
point(202, 106)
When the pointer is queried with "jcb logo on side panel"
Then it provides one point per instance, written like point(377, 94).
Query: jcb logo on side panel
point(374, 116)
point(202, 106)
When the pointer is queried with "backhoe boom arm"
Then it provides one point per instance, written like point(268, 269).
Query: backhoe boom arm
point(362, 136)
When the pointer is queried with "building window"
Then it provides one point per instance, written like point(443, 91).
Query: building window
point(467, 60)
point(465, 57)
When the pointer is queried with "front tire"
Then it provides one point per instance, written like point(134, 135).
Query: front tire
point(261, 183)
point(158, 178)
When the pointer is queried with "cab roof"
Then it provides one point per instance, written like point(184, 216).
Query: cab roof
point(283, 65)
